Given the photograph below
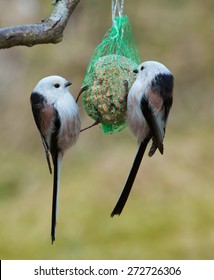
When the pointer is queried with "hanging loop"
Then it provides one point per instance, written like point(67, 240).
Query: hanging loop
point(117, 6)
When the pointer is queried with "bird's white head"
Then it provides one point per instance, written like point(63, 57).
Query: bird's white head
point(150, 69)
point(52, 87)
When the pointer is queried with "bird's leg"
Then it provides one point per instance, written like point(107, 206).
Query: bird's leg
point(81, 91)
point(95, 123)
point(126, 86)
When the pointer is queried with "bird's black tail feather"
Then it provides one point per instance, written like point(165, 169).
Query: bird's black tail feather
point(57, 167)
point(130, 180)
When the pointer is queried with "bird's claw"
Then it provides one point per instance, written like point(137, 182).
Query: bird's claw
point(126, 86)
point(81, 91)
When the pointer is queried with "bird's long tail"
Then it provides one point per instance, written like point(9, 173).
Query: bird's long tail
point(130, 180)
point(57, 169)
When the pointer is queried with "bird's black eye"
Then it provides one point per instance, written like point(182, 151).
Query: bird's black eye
point(142, 67)
point(57, 85)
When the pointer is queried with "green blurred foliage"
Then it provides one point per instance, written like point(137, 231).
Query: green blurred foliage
point(169, 214)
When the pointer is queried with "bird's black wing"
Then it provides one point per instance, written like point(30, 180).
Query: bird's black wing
point(161, 98)
point(164, 84)
point(38, 104)
point(153, 125)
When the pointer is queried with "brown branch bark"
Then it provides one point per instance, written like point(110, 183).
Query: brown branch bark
point(48, 31)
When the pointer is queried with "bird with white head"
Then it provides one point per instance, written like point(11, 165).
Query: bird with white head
point(56, 115)
point(148, 105)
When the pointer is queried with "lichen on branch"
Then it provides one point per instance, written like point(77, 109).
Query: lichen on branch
point(48, 31)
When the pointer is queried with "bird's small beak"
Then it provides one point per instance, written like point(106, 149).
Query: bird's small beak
point(135, 71)
point(67, 84)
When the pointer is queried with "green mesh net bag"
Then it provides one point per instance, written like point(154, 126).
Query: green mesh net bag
point(112, 63)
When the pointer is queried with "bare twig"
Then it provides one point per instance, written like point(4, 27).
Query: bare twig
point(90, 126)
point(48, 31)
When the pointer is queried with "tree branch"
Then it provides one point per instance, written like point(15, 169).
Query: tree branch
point(48, 31)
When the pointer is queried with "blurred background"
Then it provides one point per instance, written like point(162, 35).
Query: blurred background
point(170, 212)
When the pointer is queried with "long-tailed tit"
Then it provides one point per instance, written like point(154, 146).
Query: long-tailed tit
point(57, 118)
point(148, 105)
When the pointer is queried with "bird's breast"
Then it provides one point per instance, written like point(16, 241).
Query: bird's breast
point(70, 122)
point(135, 118)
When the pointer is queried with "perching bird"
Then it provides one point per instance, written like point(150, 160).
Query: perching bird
point(57, 118)
point(148, 105)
